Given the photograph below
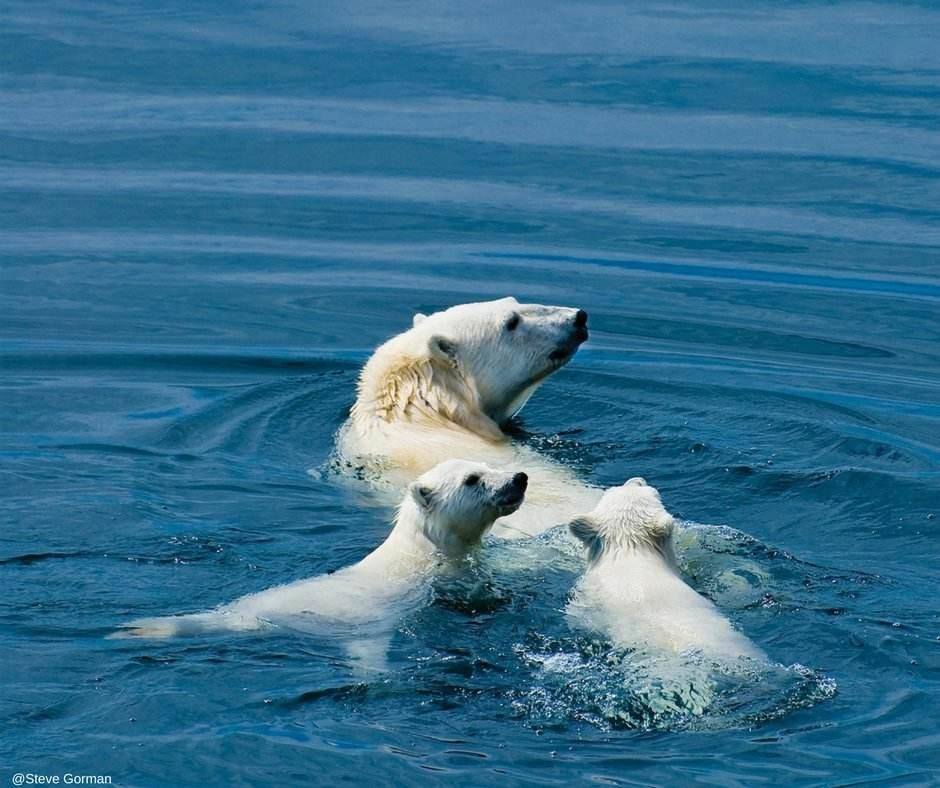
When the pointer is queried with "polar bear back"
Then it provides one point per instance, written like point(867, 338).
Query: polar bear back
point(640, 602)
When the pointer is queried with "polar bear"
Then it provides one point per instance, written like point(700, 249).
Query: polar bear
point(632, 590)
point(443, 389)
point(443, 516)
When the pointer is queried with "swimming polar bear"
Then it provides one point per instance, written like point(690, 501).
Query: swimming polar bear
point(441, 519)
point(443, 389)
point(632, 590)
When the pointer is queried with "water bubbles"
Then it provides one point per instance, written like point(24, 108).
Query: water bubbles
point(584, 682)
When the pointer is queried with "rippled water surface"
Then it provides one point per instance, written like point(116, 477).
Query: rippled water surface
point(210, 214)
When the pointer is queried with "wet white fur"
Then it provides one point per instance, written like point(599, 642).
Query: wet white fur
point(442, 388)
point(440, 520)
point(632, 590)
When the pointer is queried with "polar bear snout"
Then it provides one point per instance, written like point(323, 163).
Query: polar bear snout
point(509, 497)
point(577, 335)
point(580, 333)
point(515, 487)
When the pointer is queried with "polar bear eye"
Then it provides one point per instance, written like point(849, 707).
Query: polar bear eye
point(513, 323)
point(472, 480)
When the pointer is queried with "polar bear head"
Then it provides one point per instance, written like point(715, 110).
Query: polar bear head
point(456, 502)
point(473, 365)
point(627, 518)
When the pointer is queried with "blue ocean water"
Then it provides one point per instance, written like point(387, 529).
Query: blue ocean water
point(210, 214)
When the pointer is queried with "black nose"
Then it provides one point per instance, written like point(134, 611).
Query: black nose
point(520, 480)
point(580, 318)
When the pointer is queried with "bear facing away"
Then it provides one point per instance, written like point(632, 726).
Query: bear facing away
point(443, 388)
point(443, 516)
point(632, 590)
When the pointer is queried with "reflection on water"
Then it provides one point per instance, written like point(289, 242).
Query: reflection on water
point(210, 215)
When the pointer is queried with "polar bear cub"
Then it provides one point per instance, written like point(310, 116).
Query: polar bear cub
point(445, 387)
point(443, 516)
point(632, 590)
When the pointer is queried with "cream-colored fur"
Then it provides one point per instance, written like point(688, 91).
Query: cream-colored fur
point(443, 388)
point(443, 517)
point(632, 590)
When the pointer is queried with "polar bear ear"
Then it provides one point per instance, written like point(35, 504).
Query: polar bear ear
point(443, 348)
point(665, 527)
point(584, 528)
point(424, 496)
point(418, 319)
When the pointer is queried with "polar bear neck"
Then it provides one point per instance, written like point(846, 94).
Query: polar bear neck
point(419, 390)
point(424, 541)
point(640, 543)
point(626, 536)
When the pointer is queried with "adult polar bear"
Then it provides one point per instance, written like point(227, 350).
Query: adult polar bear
point(443, 389)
